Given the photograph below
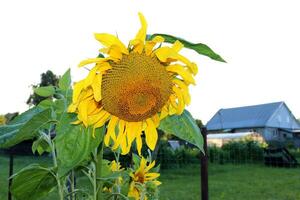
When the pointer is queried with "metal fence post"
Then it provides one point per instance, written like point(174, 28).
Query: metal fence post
point(204, 167)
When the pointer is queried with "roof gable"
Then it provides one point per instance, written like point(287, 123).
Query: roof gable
point(264, 115)
point(283, 118)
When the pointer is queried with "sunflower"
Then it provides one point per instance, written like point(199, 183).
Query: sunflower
point(133, 88)
point(140, 177)
point(114, 167)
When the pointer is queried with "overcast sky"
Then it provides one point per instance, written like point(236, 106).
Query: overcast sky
point(259, 39)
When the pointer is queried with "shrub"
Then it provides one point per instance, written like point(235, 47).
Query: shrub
point(244, 151)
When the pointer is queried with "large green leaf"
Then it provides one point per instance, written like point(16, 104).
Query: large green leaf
point(13, 134)
point(25, 116)
point(74, 143)
point(32, 182)
point(65, 81)
point(183, 126)
point(45, 91)
point(200, 48)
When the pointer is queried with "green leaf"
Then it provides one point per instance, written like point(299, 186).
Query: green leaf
point(136, 160)
point(200, 48)
point(40, 145)
point(65, 81)
point(74, 143)
point(25, 116)
point(45, 91)
point(13, 134)
point(47, 103)
point(33, 182)
point(183, 126)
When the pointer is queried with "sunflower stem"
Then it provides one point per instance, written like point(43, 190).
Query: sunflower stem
point(99, 159)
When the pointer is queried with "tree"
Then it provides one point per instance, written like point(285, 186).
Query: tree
point(47, 79)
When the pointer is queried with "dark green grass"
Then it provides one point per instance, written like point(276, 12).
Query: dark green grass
point(229, 182)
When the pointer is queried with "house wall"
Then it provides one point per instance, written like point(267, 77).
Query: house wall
point(272, 136)
point(220, 142)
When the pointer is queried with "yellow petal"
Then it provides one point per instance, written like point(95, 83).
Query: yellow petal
point(142, 166)
point(102, 120)
point(157, 183)
point(172, 109)
point(167, 54)
point(115, 52)
point(92, 60)
point(184, 89)
point(133, 192)
point(141, 35)
point(108, 40)
point(164, 112)
point(150, 166)
point(150, 44)
point(151, 176)
point(120, 134)
point(82, 112)
point(139, 143)
point(123, 145)
point(180, 100)
point(77, 90)
point(156, 120)
point(111, 130)
point(92, 119)
point(151, 134)
point(138, 41)
point(173, 101)
point(76, 122)
point(177, 46)
point(72, 108)
point(96, 85)
point(179, 69)
point(90, 78)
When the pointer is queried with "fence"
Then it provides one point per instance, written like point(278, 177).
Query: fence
point(239, 153)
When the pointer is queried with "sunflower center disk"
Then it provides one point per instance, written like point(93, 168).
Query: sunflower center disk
point(136, 88)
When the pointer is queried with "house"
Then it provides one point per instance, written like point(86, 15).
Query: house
point(273, 121)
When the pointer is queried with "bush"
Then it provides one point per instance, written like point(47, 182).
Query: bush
point(169, 158)
point(245, 151)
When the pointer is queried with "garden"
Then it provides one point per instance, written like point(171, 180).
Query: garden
point(123, 131)
point(181, 178)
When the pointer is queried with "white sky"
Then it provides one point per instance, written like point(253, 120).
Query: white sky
point(260, 40)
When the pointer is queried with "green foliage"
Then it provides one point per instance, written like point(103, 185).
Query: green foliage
point(26, 116)
point(183, 126)
point(24, 127)
point(47, 79)
point(33, 182)
point(41, 145)
point(237, 152)
point(45, 91)
point(65, 81)
point(170, 158)
point(75, 143)
point(200, 48)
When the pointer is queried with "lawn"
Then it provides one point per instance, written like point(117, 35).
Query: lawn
point(229, 182)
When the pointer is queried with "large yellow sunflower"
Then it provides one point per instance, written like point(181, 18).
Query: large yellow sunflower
point(133, 88)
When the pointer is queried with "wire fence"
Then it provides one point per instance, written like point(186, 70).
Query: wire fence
point(239, 153)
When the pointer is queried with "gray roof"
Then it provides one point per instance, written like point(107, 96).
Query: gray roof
point(275, 115)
